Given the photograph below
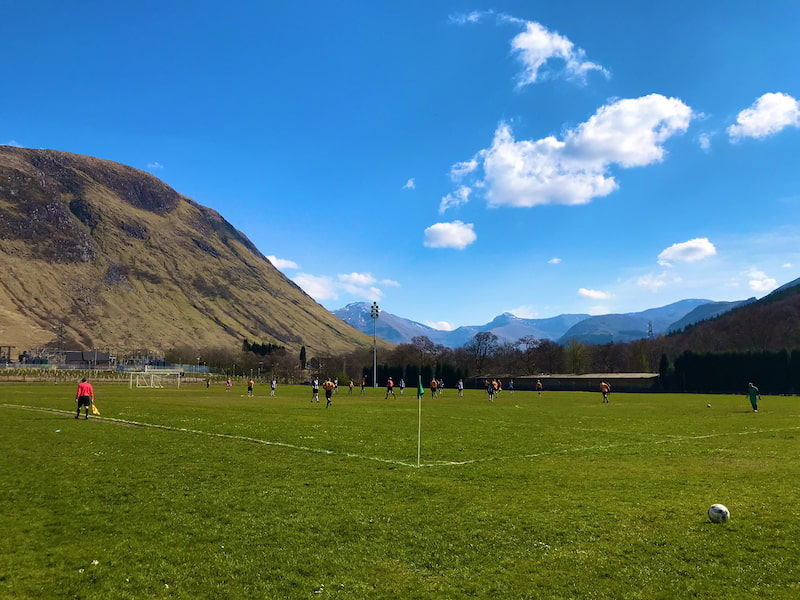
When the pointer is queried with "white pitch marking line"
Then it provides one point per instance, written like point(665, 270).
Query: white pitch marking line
point(223, 435)
point(672, 440)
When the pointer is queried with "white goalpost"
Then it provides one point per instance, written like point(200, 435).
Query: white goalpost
point(155, 378)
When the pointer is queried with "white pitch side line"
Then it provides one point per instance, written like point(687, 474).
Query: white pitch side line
point(671, 440)
point(223, 435)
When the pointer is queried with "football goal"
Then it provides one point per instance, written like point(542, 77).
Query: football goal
point(155, 378)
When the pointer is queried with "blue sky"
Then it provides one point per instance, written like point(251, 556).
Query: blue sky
point(450, 160)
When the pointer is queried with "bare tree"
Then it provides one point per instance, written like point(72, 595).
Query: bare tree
point(481, 348)
point(528, 356)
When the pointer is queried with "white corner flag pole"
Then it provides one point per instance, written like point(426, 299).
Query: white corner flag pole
point(420, 392)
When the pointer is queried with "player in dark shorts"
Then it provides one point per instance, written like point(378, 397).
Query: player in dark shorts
point(605, 389)
point(328, 386)
point(84, 397)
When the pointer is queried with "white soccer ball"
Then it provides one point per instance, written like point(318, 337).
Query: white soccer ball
point(708, 405)
point(719, 513)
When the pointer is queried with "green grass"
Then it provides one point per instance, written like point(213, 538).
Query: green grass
point(556, 497)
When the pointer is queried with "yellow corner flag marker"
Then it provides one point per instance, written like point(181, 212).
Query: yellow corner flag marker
point(94, 410)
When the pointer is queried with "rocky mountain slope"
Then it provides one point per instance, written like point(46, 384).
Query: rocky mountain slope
point(95, 253)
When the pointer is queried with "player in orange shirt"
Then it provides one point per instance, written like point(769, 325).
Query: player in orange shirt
point(605, 389)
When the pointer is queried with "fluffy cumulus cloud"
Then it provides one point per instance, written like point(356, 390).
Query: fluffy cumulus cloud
point(364, 285)
point(760, 281)
point(450, 235)
point(768, 115)
point(410, 184)
point(537, 46)
point(593, 294)
point(574, 170)
point(319, 288)
point(358, 279)
point(282, 263)
point(691, 251)
point(360, 285)
point(542, 52)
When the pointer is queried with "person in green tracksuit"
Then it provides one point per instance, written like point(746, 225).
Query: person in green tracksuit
point(755, 396)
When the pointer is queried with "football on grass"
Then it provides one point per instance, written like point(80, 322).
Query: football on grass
point(719, 513)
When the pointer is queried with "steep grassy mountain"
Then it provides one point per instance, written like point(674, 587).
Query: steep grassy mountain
point(605, 329)
point(108, 255)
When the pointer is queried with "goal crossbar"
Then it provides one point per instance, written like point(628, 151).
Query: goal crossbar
point(155, 378)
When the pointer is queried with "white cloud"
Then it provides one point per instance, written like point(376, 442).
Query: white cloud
point(554, 261)
point(760, 281)
point(282, 263)
point(471, 17)
point(629, 132)
point(455, 199)
point(319, 288)
point(440, 325)
point(450, 235)
point(704, 140)
point(410, 185)
point(786, 265)
point(361, 285)
point(524, 312)
point(767, 116)
point(536, 46)
point(593, 294)
point(460, 169)
point(14, 143)
point(154, 166)
point(574, 170)
point(691, 251)
point(360, 279)
point(654, 282)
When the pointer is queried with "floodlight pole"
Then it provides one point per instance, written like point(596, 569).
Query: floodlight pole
point(374, 312)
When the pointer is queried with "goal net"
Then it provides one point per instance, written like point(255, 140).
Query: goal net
point(155, 378)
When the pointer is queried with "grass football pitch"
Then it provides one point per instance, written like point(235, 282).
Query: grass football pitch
point(199, 493)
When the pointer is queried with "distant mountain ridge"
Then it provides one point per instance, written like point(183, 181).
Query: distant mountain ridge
point(587, 329)
point(705, 312)
point(606, 329)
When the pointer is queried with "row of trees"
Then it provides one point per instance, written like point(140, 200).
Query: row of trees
point(483, 354)
point(730, 372)
point(486, 355)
